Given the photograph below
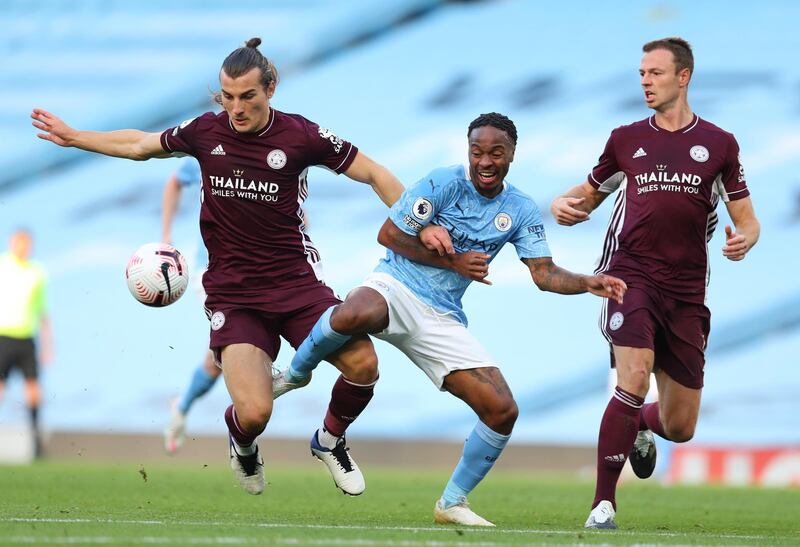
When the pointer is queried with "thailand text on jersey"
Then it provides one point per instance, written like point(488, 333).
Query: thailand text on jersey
point(669, 185)
point(254, 185)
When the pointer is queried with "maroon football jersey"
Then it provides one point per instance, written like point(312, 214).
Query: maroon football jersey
point(670, 183)
point(251, 218)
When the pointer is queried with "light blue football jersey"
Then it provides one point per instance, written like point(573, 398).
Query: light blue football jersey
point(448, 198)
point(189, 175)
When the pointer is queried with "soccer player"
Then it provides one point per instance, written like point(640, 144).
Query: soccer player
point(413, 298)
point(23, 316)
point(671, 170)
point(264, 277)
point(205, 375)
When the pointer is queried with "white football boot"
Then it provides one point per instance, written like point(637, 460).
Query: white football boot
point(280, 385)
point(342, 466)
point(249, 470)
point(460, 513)
point(602, 516)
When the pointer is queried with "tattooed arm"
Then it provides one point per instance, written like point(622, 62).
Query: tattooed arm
point(472, 265)
point(549, 277)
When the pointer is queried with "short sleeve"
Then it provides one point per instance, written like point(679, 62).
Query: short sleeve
point(329, 150)
point(39, 296)
point(606, 176)
point(732, 185)
point(182, 139)
point(529, 238)
point(419, 203)
point(188, 174)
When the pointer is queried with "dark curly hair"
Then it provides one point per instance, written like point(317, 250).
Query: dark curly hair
point(497, 121)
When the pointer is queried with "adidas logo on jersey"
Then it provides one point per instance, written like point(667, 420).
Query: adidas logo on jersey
point(615, 458)
point(639, 153)
point(218, 151)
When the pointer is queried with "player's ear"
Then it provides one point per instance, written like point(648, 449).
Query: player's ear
point(684, 76)
point(271, 89)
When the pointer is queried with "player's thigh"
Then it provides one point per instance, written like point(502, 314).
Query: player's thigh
point(233, 325)
point(296, 325)
point(680, 348)
point(364, 311)
point(634, 366)
point(439, 346)
point(247, 370)
point(484, 389)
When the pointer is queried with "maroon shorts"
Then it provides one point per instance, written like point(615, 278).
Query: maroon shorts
point(675, 330)
point(240, 324)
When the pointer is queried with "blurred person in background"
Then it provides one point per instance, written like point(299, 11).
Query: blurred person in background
point(205, 375)
point(264, 278)
point(672, 169)
point(23, 318)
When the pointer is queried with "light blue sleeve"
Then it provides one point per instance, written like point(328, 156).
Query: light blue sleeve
point(529, 239)
point(419, 203)
point(188, 174)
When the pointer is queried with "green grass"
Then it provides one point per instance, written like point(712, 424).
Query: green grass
point(179, 504)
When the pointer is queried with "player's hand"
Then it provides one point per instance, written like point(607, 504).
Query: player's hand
point(607, 286)
point(437, 239)
point(564, 210)
point(472, 265)
point(736, 245)
point(55, 130)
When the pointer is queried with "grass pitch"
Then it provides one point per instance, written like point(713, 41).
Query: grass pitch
point(188, 504)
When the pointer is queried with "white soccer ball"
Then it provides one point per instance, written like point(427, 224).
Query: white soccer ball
point(157, 274)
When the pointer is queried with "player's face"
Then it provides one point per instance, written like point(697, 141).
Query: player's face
point(245, 100)
point(661, 82)
point(490, 155)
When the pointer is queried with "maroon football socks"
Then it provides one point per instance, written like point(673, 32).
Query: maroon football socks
point(348, 399)
point(618, 431)
point(242, 437)
point(650, 419)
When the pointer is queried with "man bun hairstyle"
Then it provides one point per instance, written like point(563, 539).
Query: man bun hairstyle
point(680, 48)
point(497, 121)
point(244, 59)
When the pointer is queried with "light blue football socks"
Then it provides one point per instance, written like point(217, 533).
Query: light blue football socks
point(201, 382)
point(321, 342)
point(481, 450)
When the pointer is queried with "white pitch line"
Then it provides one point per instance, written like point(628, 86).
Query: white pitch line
point(522, 531)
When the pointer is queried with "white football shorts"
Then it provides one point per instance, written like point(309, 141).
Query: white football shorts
point(434, 341)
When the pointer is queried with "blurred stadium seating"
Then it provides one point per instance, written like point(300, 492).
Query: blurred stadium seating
point(404, 93)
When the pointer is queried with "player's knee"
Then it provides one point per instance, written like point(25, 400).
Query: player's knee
point(679, 432)
point(358, 318)
point(636, 380)
point(254, 417)
point(502, 416)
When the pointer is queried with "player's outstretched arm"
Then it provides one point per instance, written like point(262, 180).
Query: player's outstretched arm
point(576, 204)
point(126, 143)
point(748, 229)
point(383, 182)
point(549, 277)
point(472, 265)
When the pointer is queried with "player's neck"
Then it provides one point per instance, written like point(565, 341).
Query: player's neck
point(676, 117)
